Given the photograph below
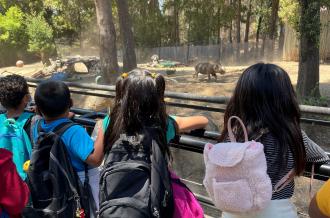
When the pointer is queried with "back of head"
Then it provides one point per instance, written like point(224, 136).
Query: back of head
point(139, 103)
point(264, 98)
point(52, 98)
point(13, 88)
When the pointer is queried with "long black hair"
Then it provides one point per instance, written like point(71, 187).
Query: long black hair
point(139, 103)
point(264, 98)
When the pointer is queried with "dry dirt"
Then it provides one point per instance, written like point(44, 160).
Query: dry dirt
point(182, 81)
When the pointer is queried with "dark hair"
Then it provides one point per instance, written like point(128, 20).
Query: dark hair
point(264, 98)
point(52, 98)
point(139, 103)
point(13, 88)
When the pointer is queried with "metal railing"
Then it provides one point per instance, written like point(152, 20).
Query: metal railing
point(168, 94)
point(195, 140)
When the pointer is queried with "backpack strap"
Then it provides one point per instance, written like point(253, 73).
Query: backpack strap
point(284, 181)
point(88, 191)
point(24, 117)
point(262, 132)
point(59, 129)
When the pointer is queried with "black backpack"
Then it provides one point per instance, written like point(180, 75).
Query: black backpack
point(56, 190)
point(135, 180)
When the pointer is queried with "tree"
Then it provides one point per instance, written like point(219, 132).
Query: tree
point(69, 19)
point(12, 31)
point(129, 57)
point(108, 48)
point(271, 36)
point(309, 29)
point(40, 37)
point(238, 30)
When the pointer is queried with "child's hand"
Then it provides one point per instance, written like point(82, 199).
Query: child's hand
point(32, 109)
point(71, 115)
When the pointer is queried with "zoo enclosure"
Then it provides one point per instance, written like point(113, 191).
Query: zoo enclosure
point(195, 140)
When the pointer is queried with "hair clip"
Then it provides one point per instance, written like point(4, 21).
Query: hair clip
point(154, 75)
point(124, 75)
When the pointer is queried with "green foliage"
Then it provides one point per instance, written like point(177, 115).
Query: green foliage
point(40, 34)
point(147, 21)
point(289, 12)
point(310, 21)
point(322, 101)
point(12, 30)
point(69, 19)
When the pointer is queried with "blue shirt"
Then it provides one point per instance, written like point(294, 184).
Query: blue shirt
point(170, 132)
point(77, 141)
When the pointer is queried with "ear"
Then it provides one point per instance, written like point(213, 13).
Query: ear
point(26, 99)
point(216, 67)
point(71, 103)
point(38, 111)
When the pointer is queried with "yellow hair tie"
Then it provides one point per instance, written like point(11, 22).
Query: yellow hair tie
point(124, 75)
point(154, 75)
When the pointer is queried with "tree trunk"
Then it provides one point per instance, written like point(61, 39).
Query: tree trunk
point(281, 40)
point(258, 31)
point(308, 73)
point(108, 49)
point(247, 31)
point(270, 40)
point(238, 31)
point(258, 37)
point(230, 36)
point(248, 17)
point(238, 21)
point(129, 57)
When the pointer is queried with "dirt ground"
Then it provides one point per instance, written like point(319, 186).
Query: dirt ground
point(182, 81)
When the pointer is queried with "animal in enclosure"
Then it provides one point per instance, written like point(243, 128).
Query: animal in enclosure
point(209, 69)
point(155, 60)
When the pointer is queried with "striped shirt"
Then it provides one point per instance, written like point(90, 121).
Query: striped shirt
point(274, 168)
point(314, 153)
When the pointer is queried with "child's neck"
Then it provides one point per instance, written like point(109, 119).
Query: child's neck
point(52, 119)
point(12, 113)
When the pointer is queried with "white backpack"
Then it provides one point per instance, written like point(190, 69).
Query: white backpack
point(236, 174)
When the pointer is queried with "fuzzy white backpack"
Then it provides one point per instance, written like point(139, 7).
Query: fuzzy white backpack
point(236, 174)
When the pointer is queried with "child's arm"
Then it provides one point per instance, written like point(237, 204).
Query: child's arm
point(320, 204)
point(96, 157)
point(189, 123)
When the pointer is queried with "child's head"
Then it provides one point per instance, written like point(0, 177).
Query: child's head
point(264, 97)
point(53, 99)
point(139, 102)
point(14, 92)
point(263, 93)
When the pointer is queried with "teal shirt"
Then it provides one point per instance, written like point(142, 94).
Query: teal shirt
point(170, 133)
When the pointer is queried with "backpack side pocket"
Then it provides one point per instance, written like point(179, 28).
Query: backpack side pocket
point(233, 196)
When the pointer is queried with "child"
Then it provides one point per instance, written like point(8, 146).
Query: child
point(174, 124)
point(266, 102)
point(14, 193)
point(15, 123)
point(320, 204)
point(53, 103)
point(135, 181)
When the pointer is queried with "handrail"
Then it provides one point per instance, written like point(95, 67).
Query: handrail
point(195, 143)
point(175, 95)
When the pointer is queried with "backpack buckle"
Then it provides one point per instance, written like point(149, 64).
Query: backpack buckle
point(164, 202)
point(155, 212)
